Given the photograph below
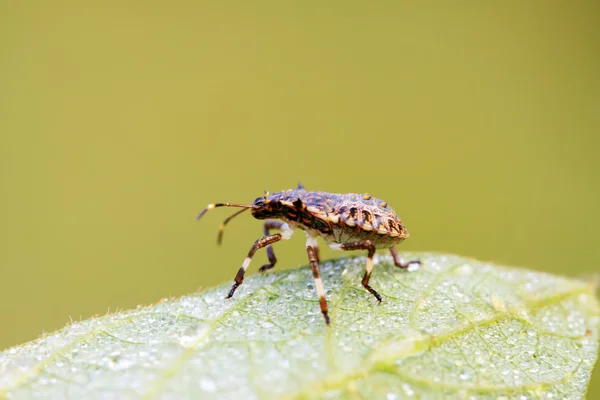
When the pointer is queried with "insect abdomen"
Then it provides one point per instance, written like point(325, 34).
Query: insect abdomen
point(370, 214)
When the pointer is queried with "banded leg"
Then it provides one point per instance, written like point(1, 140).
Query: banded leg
point(398, 263)
point(270, 253)
point(370, 247)
point(314, 263)
point(259, 244)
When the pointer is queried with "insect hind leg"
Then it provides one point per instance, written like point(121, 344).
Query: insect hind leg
point(398, 263)
point(370, 247)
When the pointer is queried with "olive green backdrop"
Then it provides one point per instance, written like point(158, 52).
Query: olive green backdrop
point(479, 123)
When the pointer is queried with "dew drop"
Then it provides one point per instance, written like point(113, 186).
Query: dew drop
point(208, 385)
point(408, 390)
point(186, 341)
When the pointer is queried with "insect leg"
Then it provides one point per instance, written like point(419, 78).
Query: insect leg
point(370, 247)
point(314, 263)
point(398, 263)
point(270, 254)
point(260, 243)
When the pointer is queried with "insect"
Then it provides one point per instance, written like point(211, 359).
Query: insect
point(345, 221)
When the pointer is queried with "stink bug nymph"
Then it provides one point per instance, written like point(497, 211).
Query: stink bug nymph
point(345, 221)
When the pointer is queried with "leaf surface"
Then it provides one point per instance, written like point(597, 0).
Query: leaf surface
point(455, 328)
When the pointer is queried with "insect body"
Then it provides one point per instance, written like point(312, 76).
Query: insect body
point(344, 221)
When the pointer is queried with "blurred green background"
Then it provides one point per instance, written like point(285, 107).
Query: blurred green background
point(479, 123)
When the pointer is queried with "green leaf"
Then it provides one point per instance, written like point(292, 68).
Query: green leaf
point(455, 328)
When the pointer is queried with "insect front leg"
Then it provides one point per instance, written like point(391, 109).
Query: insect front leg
point(370, 247)
point(259, 244)
point(311, 245)
point(270, 253)
point(398, 263)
